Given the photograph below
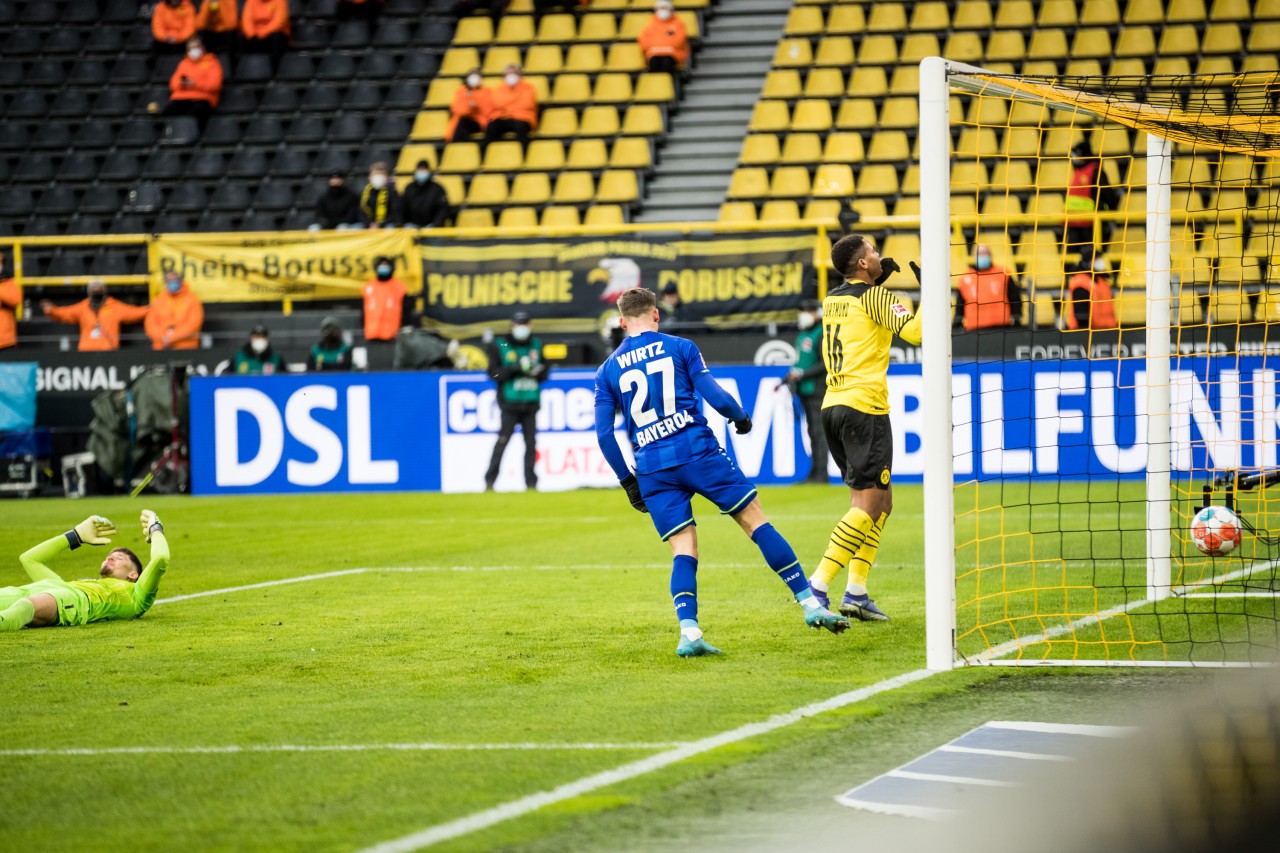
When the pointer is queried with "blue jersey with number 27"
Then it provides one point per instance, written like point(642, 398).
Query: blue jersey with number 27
point(651, 378)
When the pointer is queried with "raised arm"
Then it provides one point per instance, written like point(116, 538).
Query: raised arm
point(144, 591)
point(94, 530)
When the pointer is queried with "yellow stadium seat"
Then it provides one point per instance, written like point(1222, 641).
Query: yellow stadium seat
point(530, 188)
point(458, 61)
point(899, 113)
point(1053, 173)
point(907, 206)
point(558, 122)
point(1185, 12)
point(1229, 200)
point(1056, 13)
point(1111, 141)
point(1210, 64)
point(1022, 142)
point(615, 88)
point(518, 217)
point(759, 149)
point(440, 92)
point(632, 24)
point(587, 155)
point(906, 247)
point(972, 15)
point(1090, 43)
point(618, 186)
point(487, 190)
point(570, 89)
point(822, 209)
point(1260, 62)
point(769, 117)
point(1006, 45)
point(969, 176)
point(878, 179)
point(538, 59)
point(916, 46)
point(480, 217)
point(654, 89)
point(749, 182)
point(1191, 170)
point(1015, 14)
point(976, 142)
point(454, 188)
point(604, 214)
point(833, 180)
point(598, 26)
point(911, 181)
point(856, 114)
point(834, 51)
point(1139, 12)
point(804, 21)
point(643, 120)
point(887, 17)
point(520, 7)
point(1135, 41)
point(625, 56)
point(430, 124)
point(598, 120)
point(846, 20)
point(1100, 13)
point(867, 83)
point(790, 182)
point(631, 152)
point(841, 148)
point(793, 53)
point(543, 155)
point(574, 188)
point(411, 154)
point(779, 210)
point(1263, 38)
point(513, 29)
point(496, 60)
point(586, 58)
point(1237, 169)
point(501, 156)
point(824, 83)
point(811, 115)
point(737, 211)
point(1131, 65)
point(801, 148)
point(875, 50)
point(998, 206)
point(477, 31)
point(1013, 174)
point(867, 206)
point(558, 29)
point(782, 84)
point(989, 112)
point(905, 80)
point(1179, 40)
point(558, 216)
point(963, 47)
point(1230, 10)
point(930, 16)
point(1048, 43)
point(460, 158)
point(1026, 113)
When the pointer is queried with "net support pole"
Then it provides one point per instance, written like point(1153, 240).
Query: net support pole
point(1159, 303)
point(935, 302)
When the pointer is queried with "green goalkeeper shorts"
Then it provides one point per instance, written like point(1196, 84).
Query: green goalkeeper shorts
point(73, 604)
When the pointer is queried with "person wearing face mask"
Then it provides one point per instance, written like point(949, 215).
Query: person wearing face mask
point(172, 23)
point(671, 306)
point(196, 85)
point(176, 316)
point(99, 317)
point(257, 356)
point(10, 297)
point(332, 352)
point(988, 295)
point(384, 302)
point(807, 381)
point(1088, 192)
point(425, 204)
point(470, 108)
point(218, 22)
point(517, 364)
point(1089, 302)
point(379, 202)
point(664, 40)
point(514, 108)
point(337, 207)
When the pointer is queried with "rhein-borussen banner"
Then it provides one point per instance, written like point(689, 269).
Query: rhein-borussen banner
point(572, 283)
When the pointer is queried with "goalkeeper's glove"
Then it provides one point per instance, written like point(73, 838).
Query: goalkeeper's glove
point(888, 266)
point(632, 487)
point(743, 426)
point(94, 530)
point(150, 524)
point(915, 268)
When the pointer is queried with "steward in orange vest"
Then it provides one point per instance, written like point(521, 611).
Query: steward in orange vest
point(176, 316)
point(99, 317)
point(1088, 192)
point(1089, 302)
point(664, 40)
point(10, 296)
point(384, 302)
point(989, 296)
point(173, 22)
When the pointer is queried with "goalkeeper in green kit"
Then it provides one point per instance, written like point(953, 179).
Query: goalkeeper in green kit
point(123, 590)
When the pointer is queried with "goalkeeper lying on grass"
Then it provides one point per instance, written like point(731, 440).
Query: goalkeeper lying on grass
point(124, 589)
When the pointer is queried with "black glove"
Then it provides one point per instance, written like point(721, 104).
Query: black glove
point(915, 268)
point(632, 487)
point(743, 426)
point(888, 266)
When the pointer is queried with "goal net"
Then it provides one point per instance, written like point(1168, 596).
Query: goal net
point(1110, 369)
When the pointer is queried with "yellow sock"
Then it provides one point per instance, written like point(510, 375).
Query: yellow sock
point(846, 540)
point(860, 566)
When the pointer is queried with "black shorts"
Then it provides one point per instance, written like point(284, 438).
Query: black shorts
point(861, 444)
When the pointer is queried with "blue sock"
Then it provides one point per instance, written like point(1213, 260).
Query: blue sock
point(778, 554)
point(684, 587)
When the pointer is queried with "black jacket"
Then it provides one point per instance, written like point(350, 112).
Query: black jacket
point(424, 204)
point(337, 206)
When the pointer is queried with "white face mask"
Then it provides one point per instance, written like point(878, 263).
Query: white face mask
point(805, 321)
point(1100, 266)
point(664, 14)
point(258, 345)
point(195, 53)
point(422, 176)
point(520, 333)
point(512, 79)
point(474, 81)
point(378, 181)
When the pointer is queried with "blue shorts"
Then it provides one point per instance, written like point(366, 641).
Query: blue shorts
point(669, 493)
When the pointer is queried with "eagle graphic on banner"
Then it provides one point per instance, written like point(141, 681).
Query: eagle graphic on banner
point(618, 275)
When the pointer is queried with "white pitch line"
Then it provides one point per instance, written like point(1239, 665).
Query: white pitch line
point(925, 812)
point(1274, 594)
point(1003, 753)
point(517, 808)
point(336, 747)
point(1061, 728)
point(950, 780)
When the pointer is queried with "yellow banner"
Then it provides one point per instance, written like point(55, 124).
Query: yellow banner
point(270, 267)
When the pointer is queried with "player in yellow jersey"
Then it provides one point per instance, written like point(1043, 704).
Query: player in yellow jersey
point(122, 590)
point(860, 318)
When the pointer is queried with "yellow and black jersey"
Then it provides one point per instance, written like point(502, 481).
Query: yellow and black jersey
point(858, 324)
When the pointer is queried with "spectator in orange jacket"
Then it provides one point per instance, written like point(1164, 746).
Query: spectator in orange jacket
point(265, 25)
point(664, 40)
point(514, 108)
point(176, 315)
point(384, 302)
point(99, 317)
point(469, 112)
point(172, 23)
point(218, 22)
point(10, 296)
point(196, 85)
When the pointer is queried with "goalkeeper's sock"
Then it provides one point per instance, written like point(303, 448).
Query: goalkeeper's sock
point(782, 559)
point(17, 615)
point(860, 566)
point(846, 540)
point(684, 588)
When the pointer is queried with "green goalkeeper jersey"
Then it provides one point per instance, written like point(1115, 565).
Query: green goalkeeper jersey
point(108, 598)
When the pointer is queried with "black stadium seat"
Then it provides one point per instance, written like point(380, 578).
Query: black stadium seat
point(85, 224)
point(28, 105)
point(124, 166)
point(348, 128)
point(186, 197)
point(295, 67)
point(95, 133)
point(307, 130)
point(259, 221)
point(56, 201)
point(67, 263)
point(103, 40)
point(250, 163)
point(16, 202)
point(138, 133)
point(80, 12)
point(101, 199)
point(418, 65)
point(263, 130)
point(291, 162)
point(351, 35)
point(332, 160)
point(222, 130)
point(274, 195)
point(111, 102)
point(279, 98)
point(11, 74)
point(336, 66)
point(214, 221)
point(404, 95)
point(34, 168)
point(362, 96)
point(122, 12)
point(132, 71)
point(145, 197)
point(21, 42)
point(163, 165)
point(238, 100)
point(46, 73)
point(230, 197)
point(87, 72)
point(389, 127)
point(321, 98)
point(377, 66)
point(62, 42)
point(129, 223)
point(78, 168)
point(183, 131)
point(162, 71)
point(253, 68)
point(41, 226)
point(309, 36)
point(391, 33)
point(172, 223)
point(207, 164)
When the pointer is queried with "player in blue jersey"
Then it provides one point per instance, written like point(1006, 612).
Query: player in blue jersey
point(656, 381)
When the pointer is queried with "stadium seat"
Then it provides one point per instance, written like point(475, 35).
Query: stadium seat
point(518, 217)
point(643, 120)
point(867, 83)
point(893, 146)
point(539, 59)
point(1057, 13)
point(782, 84)
point(558, 216)
point(571, 89)
point(296, 68)
point(348, 128)
point(250, 163)
point(769, 117)
point(337, 67)
point(804, 21)
point(1015, 14)
point(833, 180)
point(856, 114)
point(487, 190)
point(1230, 10)
point(481, 217)
point(1264, 38)
point(1048, 44)
point(827, 83)
point(361, 97)
point(544, 155)
point(842, 148)
point(811, 115)
point(790, 182)
point(283, 99)
point(823, 209)
point(759, 149)
point(617, 186)
point(34, 168)
point(631, 153)
point(531, 188)
point(98, 133)
point(879, 179)
point(626, 57)
point(737, 211)
point(1181, 40)
point(917, 46)
point(615, 88)
point(584, 58)
point(930, 16)
point(598, 27)
point(599, 120)
point(350, 35)
point(874, 50)
point(230, 197)
point(651, 88)
point(793, 53)
point(604, 214)
point(902, 113)
point(28, 104)
point(460, 158)
point(779, 210)
point(887, 17)
point(574, 188)
point(1006, 45)
point(972, 15)
point(963, 47)
point(750, 182)
point(477, 31)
